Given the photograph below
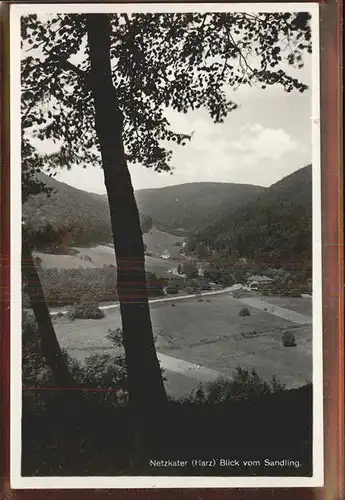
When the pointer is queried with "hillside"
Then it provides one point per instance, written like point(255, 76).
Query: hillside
point(277, 225)
point(233, 219)
point(85, 216)
point(97, 257)
point(157, 242)
point(186, 208)
point(174, 211)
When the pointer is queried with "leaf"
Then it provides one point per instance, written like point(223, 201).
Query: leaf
point(159, 61)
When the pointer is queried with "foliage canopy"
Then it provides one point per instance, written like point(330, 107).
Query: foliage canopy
point(181, 61)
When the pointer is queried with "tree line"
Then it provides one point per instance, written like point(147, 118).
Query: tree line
point(63, 287)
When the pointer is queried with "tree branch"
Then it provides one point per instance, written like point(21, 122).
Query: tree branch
point(44, 42)
point(126, 18)
point(239, 52)
point(64, 64)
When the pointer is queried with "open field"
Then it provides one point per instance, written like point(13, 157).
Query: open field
point(300, 305)
point(62, 261)
point(277, 310)
point(100, 256)
point(204, 339)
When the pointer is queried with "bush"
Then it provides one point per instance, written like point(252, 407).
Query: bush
point(35, 371)
point(155, 285)
point(87, 309)
point(249, 335)
point(72, 251)
point(190, 269)
point(38, 261)
point(205, 285)
point(289, 339)
point(244, 312)
point(102, 371)
point(34, 368)
point(87, 258)
point(191, 286)
point(172, 289)
point(106, 373)
point(244, 385)
point(115, 337)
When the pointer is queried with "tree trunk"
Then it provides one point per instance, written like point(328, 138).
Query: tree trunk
point(145, 382)
point(49, 344)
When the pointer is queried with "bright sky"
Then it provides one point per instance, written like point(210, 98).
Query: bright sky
point(265, 139)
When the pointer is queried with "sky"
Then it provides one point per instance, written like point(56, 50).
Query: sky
point(265, 139)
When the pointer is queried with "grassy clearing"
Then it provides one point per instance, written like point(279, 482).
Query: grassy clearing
point(51, 261)
point(99, 256)
point(302, 305)
point(211, 334)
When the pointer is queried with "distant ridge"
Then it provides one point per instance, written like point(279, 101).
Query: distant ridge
point(232, 219)
point(85, 216)
point(277, 224)
point(190, 207)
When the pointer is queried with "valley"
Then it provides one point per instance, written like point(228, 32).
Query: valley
point(164, 294)
point(200, 339)
point(200, 333)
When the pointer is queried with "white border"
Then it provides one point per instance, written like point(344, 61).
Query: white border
point(19, 482)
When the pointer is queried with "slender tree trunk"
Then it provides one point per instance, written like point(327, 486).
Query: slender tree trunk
point(145, 382)
point(49, 344)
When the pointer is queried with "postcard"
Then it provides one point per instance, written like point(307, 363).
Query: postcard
point(166, 270)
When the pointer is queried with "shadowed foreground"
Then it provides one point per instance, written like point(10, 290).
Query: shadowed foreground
point(84, 439)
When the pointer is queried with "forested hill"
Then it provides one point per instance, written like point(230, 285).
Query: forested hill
point(276, 225)
point(85, 216)
point(187, 208)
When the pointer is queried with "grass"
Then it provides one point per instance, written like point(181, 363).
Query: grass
point(63, 261)
point(68, 436)
point(300, 305)
point(210, 334)
point(100, 256)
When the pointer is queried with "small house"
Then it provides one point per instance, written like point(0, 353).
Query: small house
point(166, 255)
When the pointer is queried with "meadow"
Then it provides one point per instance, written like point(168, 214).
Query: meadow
point(99, 256)
point(196, 337)
point(207, 332)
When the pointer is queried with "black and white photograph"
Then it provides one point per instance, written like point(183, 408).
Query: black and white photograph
point(166, 318)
